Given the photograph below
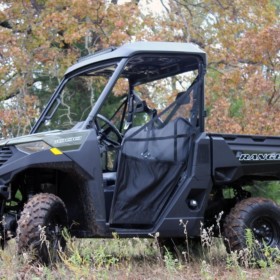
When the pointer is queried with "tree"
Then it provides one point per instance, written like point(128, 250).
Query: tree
point(241, 39)
point(40, 39)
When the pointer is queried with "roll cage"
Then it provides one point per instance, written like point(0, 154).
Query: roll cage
point(138, 68)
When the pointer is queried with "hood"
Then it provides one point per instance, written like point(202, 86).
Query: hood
point(28, 138)
point(64, 140)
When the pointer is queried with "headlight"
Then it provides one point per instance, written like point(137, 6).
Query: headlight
point(33, 147)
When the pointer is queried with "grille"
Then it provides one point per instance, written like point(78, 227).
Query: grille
point(5, 154)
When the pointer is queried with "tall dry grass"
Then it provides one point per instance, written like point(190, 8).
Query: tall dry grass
point(139, 259)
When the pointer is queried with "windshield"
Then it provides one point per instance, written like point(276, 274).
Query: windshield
point(75, 101)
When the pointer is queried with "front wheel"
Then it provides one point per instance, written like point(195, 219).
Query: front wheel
point(261, 217)
point(40, 227)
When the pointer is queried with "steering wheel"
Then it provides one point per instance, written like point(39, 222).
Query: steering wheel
point(104, 131)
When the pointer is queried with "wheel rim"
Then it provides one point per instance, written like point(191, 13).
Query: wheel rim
point(265, 230)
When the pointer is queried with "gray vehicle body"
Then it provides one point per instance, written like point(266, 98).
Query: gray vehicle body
point(69, 166)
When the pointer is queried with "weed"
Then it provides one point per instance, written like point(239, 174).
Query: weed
point(186, 253)
point(206, 270)
point(218, 222)
point(170, 261)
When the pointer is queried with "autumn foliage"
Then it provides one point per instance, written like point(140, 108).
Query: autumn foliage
point(41, 38)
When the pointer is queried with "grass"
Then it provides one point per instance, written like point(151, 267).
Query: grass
point(135, 259)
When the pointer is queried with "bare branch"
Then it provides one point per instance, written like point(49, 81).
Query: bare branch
point(167, 10)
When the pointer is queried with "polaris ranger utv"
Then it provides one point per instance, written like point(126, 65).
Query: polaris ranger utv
point(120, 147)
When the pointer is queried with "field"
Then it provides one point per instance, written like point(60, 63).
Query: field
point(139, 259)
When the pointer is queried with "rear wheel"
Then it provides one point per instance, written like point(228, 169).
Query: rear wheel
point(261, 216)
point(40, 227)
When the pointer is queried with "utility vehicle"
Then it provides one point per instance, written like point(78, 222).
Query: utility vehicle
point(121, 148)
